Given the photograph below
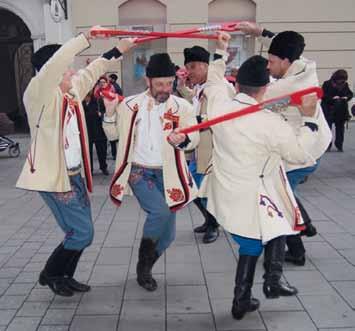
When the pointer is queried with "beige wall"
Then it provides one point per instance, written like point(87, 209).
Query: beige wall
point(327, 25)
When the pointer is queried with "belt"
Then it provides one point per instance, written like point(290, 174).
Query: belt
point(134, 164)
point(74, 171)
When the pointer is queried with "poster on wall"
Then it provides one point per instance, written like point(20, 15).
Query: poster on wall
point(140, 61)
point(233, 59)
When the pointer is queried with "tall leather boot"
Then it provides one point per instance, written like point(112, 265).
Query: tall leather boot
point(212, 231)
point(273, 260)
point(296, 251)
point(243, 301)
point(72, 283)
point(147, 256)
point(54, 270)
point(201, 228)
point(310, 229)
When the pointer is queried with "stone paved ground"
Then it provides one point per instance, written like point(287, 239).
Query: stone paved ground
point(195, 280)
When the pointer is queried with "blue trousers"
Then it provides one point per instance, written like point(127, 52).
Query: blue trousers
point(160, 224)
point(248, 246)
point(73, 213)
point(296, 176)
point(198, 177)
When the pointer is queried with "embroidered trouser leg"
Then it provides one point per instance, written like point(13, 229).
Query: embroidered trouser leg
point(73, 214)
point(160, 224)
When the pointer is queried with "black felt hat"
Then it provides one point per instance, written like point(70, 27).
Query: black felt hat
point(160, 65)
point(196, 54)
point(40, 57)
point(287, 44)
point(253, 72)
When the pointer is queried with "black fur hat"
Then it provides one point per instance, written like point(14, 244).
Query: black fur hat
point(287, 44)
point(253, 72)
point(160, 65)
point(196, 54)
point(40, 57)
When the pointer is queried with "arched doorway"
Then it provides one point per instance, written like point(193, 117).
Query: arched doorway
point(16, 48)
point(240, 47)
point(149, 15)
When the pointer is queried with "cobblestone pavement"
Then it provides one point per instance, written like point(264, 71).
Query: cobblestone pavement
point(195, 280)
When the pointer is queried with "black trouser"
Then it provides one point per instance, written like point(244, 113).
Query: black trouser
point(339, 132)
point(114, 148)
point(101, 150)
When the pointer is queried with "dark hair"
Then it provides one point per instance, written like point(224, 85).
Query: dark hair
point(340, 74)
point(249, 90)
point(114, 77)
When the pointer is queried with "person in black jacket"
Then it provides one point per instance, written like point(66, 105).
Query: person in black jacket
point(335, 105)
point(96, 133)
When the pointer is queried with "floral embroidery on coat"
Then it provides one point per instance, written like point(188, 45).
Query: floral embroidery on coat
point(176, 194)
point(270, 206)
point(117, 190)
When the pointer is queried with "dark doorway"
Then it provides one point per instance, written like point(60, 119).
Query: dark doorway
point(16, 48)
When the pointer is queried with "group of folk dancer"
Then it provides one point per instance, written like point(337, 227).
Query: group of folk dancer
point(241, 173)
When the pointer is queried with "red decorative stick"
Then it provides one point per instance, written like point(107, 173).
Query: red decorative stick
point(290, 99)
point(149, 36)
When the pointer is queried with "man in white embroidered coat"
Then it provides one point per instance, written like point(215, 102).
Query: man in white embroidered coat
point(293, 72)
point(247, 188)
point(196, 60)
point(151, 160)
point(57, 165)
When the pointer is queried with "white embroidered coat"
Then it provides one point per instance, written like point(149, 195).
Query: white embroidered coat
point(247, 188)
point(179, 186)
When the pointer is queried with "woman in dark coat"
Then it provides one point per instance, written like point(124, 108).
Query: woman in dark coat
point(335, 105)
point(95, 132)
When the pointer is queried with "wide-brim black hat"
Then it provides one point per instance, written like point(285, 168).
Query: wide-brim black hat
point(40, 57)
point(196, 54)
point(254, 72)
point(160, 65)
point(287, 44)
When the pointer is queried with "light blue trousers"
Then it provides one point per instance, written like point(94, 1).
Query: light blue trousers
point(73, 214)
point(148, 187)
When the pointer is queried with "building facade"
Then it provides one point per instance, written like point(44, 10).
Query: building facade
point(328, 27)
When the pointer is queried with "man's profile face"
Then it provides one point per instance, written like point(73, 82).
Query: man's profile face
point(161, 88)
point(197, 72)
point(277, 66)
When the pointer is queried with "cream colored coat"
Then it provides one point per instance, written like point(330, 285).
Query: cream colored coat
point(301, 75)
point(247, 188)
point(179, 186)
point(45, 108)
point(203, 152)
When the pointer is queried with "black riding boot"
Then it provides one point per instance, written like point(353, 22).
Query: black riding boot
point(72, 283)
point(147, 256)
point(296, 251)
point(243, 301)
point(310, 230)
point(273, 260)
point(53, 273)
point(201, 228)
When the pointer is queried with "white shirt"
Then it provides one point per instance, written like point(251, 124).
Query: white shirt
point(149, 134)
point(71, 136)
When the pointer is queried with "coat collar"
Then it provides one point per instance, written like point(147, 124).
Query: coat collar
point(296, 68)
point(245, 99)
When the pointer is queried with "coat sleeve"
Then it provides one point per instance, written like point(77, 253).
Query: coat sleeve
point(294, 149)
point(187, 118)
point(51, 74)
point(218, 95)
point(186, 93)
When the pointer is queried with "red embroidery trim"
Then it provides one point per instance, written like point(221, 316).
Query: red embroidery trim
point(176, 194)
point(117, 190)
